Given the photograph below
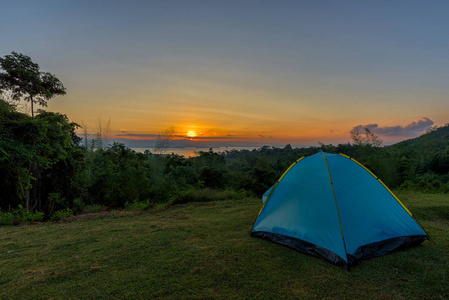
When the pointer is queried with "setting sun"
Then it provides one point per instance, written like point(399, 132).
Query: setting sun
point(191, 133)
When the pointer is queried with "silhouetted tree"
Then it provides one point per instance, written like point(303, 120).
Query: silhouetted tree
point(164, 140)
point(370, 138)
point(23, 78)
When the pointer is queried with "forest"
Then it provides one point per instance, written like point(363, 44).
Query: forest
point(48, 173)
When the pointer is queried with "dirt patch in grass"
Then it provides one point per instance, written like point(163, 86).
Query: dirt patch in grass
point(90, 216)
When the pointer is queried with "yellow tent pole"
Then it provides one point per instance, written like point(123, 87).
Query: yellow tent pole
point(397, 199)
point(280, 178)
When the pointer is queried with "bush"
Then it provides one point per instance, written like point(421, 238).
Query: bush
point(136, 205)
point(429, 183)
point(31, 217)
point(6, 218)
point(445, 188)
point(19, 216)
point(89, 209)
point(78, 205)
point(61, 214)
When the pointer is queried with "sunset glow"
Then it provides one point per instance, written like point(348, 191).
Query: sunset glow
point(191, 133)
point(228, 73)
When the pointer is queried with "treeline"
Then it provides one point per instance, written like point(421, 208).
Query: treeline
point(420, 164)
point(47, 174)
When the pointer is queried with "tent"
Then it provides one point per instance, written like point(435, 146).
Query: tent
point(331, 206)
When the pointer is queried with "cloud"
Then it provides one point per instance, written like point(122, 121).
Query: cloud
point(412, 129)
point(230, 137)
point(265, 137)
point(145, 135)
point(151, 135)
point(138, 135)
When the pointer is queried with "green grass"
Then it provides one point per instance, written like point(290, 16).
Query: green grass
point(205, 251)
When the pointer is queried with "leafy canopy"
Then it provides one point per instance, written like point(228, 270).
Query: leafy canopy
point(23, 78)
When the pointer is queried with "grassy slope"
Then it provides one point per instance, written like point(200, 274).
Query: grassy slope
point(204, 250)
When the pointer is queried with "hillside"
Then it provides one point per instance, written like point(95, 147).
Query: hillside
point(205, 251)
point(427, 159)
point(437, 138)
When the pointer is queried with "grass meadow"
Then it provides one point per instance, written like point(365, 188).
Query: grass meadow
point(204, 250)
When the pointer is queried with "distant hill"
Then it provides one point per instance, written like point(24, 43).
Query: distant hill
point(425, 158)
point(437, 139)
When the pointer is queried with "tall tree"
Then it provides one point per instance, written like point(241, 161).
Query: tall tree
point(370, 138)
point(23, 78)
point(164, 140)
point(37, 158)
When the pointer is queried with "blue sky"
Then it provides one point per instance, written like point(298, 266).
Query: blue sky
point(269, 72)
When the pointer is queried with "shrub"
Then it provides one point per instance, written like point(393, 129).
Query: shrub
point(6, 218)
point(137, 205)
point(36, 216)
point(21, 215)
point(55, 202)
point(61, 214)
point(93, 208)
point(78, 205)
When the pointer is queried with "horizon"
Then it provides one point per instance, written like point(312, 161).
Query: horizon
point(180, 142)
point(241, 73)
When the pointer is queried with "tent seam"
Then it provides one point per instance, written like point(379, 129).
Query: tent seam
point(336, 206)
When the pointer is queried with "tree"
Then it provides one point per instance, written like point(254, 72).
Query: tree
point(6, 96)
point(370, 138)
point(98, 139)
point(164, 140)
point(23, 78)
point(37, 158)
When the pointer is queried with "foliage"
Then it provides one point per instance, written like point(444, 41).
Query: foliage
point(143, 205)
point(61, 214)
point(38, 157)
point(115, 175)
point(6, 218)
point(20, 215)
point(44, 168)
point(164, 140)
point(98, 138)
point(370, 137)
point(23, 78)
point(93, 208)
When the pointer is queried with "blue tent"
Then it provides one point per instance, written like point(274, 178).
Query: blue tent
point(331, 206)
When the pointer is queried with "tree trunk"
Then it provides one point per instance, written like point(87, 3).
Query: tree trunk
point(32, 110)
point(27, 203)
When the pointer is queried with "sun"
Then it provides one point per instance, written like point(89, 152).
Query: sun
point(191, 133)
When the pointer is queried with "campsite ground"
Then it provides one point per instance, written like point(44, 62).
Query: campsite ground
point(204, 251)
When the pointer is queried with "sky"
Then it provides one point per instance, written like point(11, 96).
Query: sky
point(240, 73)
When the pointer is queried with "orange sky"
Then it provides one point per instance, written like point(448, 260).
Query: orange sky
point(238, 74)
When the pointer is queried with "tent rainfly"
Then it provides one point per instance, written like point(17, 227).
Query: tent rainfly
point(331, 206)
